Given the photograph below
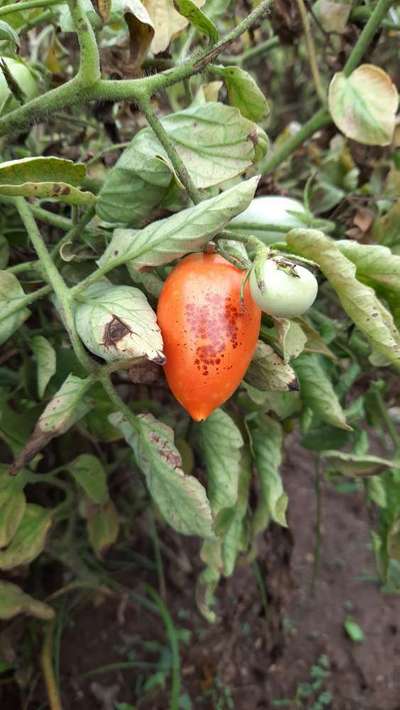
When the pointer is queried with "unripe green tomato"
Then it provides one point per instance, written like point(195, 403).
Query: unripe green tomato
point(288, 291)
point(267, 211)
point(25, 80)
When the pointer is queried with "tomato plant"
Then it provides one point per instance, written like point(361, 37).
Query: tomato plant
point(209, 331)
point(153, 155)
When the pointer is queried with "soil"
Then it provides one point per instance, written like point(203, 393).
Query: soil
point(271, 631)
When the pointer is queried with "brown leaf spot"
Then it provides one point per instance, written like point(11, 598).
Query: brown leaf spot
point(114, 331)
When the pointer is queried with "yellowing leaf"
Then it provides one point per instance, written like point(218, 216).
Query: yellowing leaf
point(167, 22)
point(364, 105)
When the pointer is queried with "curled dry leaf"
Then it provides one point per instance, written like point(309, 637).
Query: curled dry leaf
point(167, 22)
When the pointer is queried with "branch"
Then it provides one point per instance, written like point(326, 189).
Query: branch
point(171, 151)
point(53, 276)
point(21, 6)
point(312, 58)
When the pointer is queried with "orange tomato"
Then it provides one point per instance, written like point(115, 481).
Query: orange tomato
point(209, 334)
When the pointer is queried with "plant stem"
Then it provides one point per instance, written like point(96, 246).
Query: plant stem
point(46, 659)
point(251, 54)
point(171, 151)
point(319, 120)
point(312, 57)
point(27, 5)
point(114, 397)
point(381, 9)
point(25, 301)
point(85, 87)
point(55, 280)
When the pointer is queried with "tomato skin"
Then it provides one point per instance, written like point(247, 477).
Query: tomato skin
point(209, 334)
point(285, 295)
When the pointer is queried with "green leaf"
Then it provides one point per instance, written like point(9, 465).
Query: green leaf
point(8, 34)
point(90, 475)
point(45, 177)
point(358, 300)
point(197, 18)
point(214, 141)
point(314, 342)
point(267, 439)
point(267, 371)
point(234, 534)
point(374, 263)
point(46, 362)
point(353, 630)
point(221, 443)
point(14, 601)
point(102, 527)
point(12, 505)
point(181, 499)
point(67, 407)
point(187, 231)
point(29, 539)
point(355, 465)
point(317, 391)
point(364, 105)
point(10, 292)
point(243, 92)
point(118, 323)
point(291, 338)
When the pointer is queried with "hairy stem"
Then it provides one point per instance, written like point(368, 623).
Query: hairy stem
point(171, 151)
point(319, 120)
point(55, 280)
point(381, 9)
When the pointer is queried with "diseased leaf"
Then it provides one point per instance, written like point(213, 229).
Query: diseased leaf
point(12, 505)
point(317, 391)
point(267, 439)
point(364, 105)
point(14, 601)
point(243, 92)
point(57, 190)
point(358, 300)
point(187, 231)
point(221, 443)
point(102, 526)
point(90, 475)
point(10, 293)
point(46, 362)
point(67, 407)
point(181, 499)
point(29, 539)
point(118, 323)
point(45, 177)
point(267, 371)
point(355, 465)
point(42, 169)
point(215, 143)
point(141, 29)
point(314, 342)
point(190, 10)
point(167, 22)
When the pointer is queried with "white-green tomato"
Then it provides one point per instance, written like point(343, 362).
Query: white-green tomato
point(269, 211)
point(25, 79)
point(288, 290)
